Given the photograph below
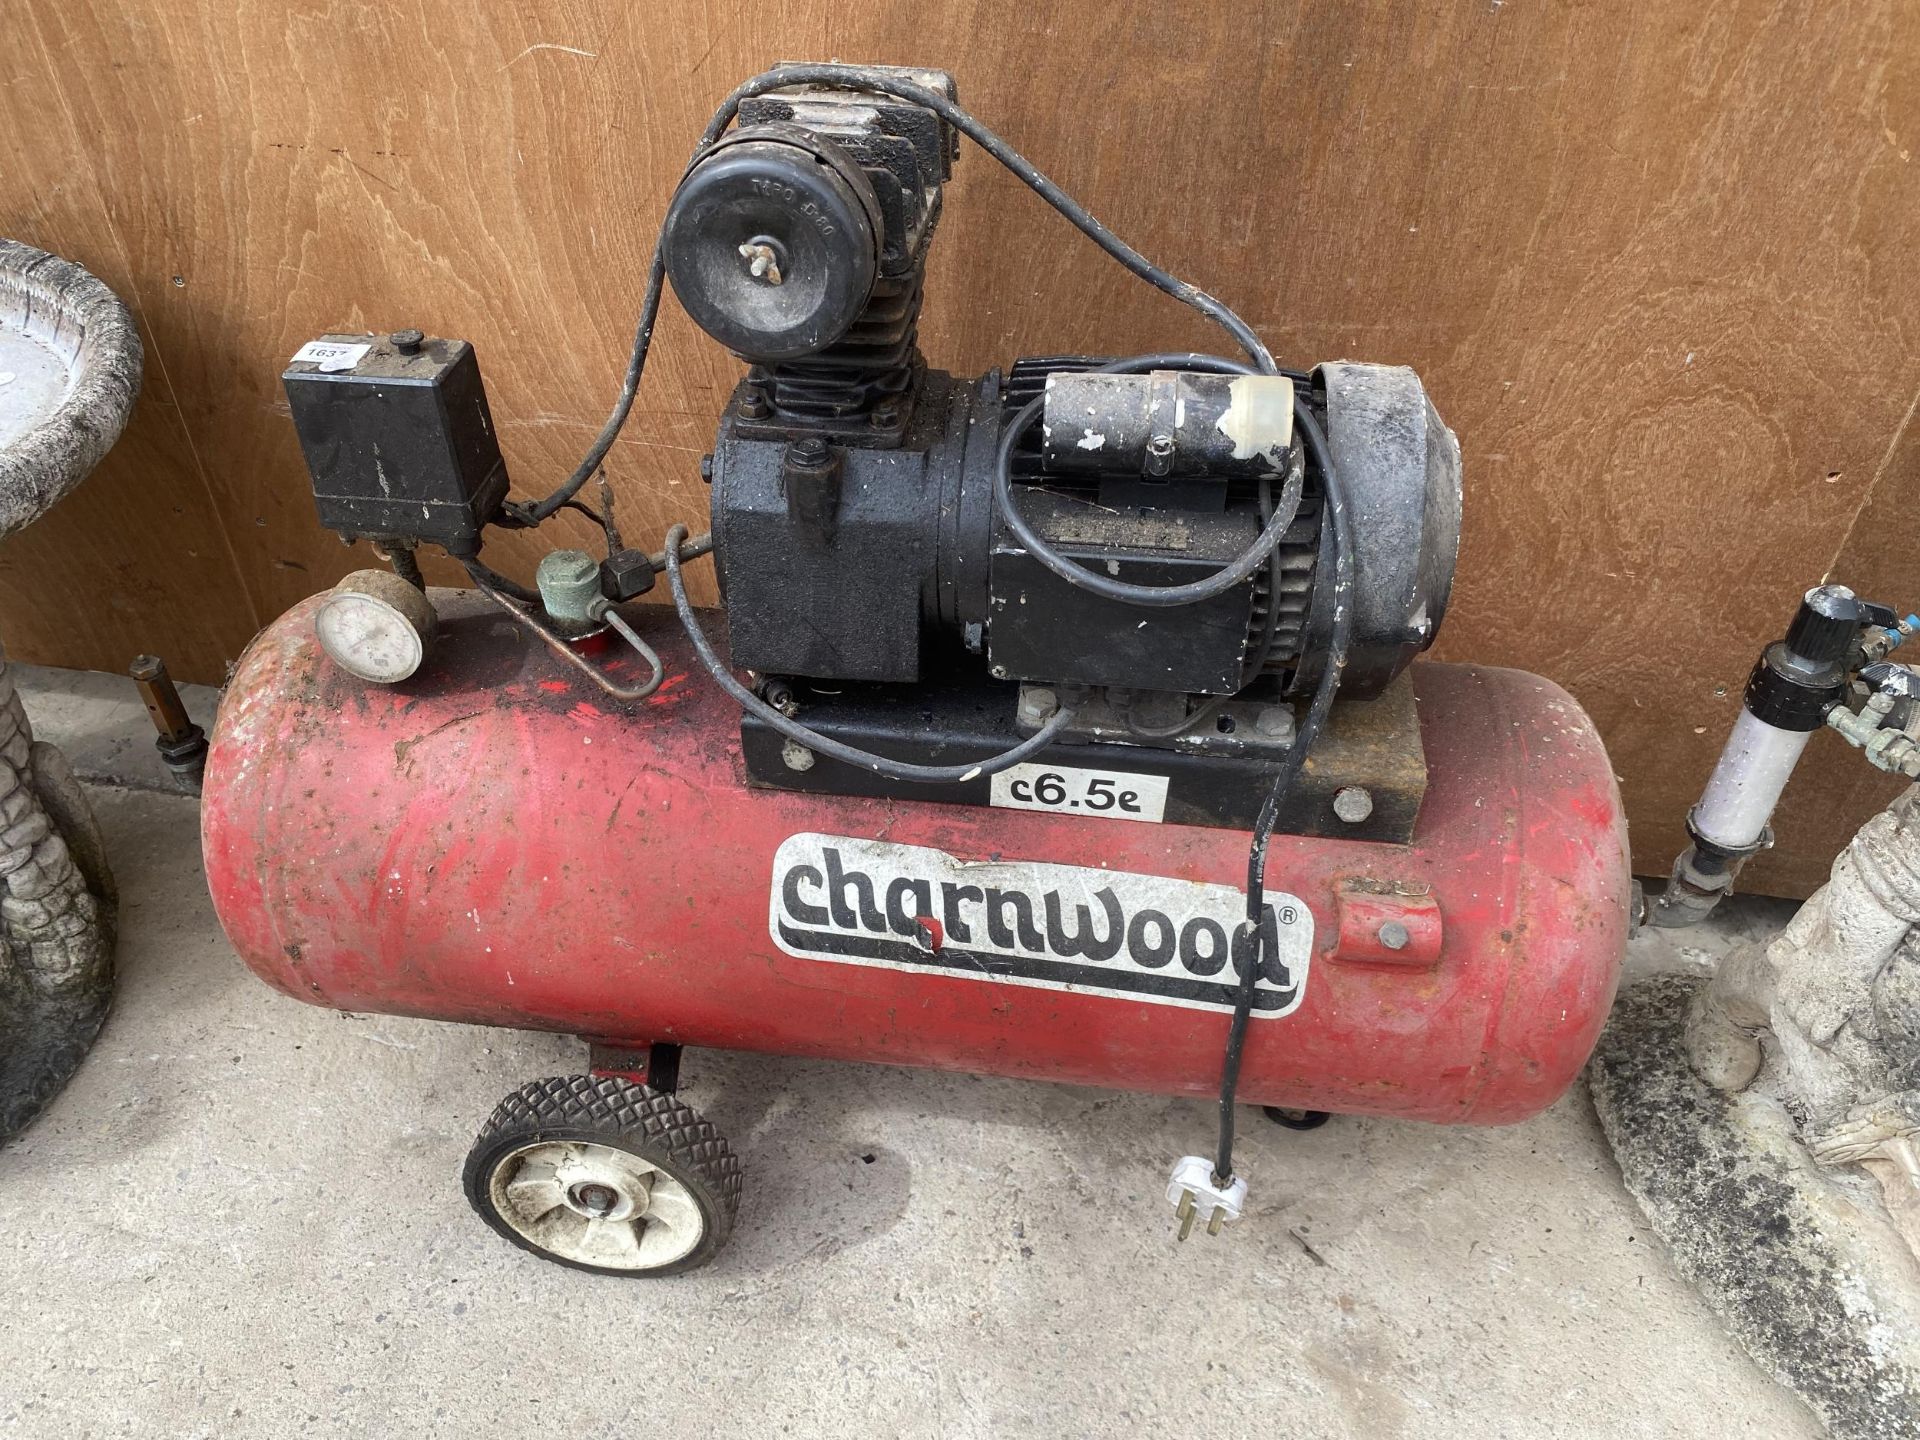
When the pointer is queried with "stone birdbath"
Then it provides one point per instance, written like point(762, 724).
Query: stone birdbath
point(69, 370)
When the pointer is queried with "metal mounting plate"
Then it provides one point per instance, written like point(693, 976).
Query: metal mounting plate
point(1372, 745)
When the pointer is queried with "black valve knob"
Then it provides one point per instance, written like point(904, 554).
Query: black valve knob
point(1825, 626)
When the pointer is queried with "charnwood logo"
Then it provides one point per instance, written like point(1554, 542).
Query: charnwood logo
point(1063, 927)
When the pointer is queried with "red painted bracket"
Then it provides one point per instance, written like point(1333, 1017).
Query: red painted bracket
point(1386, 924)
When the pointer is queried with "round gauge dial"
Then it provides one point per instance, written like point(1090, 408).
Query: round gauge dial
point(376, 626)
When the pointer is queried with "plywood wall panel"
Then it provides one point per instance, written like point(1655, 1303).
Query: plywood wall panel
point(1654, 262)
point(111, 568)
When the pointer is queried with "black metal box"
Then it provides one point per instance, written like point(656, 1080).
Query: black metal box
point(1039, 627)
point(397, 438)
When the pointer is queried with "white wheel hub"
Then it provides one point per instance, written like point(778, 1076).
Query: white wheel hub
point(596, 1205)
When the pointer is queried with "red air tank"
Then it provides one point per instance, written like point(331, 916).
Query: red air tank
point(494, 841)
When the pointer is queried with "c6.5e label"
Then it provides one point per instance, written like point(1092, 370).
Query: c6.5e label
point(1071, 790)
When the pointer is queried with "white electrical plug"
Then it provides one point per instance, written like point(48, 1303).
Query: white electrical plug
point(1192, 1189)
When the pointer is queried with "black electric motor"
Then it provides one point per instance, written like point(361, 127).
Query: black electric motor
point(854, 501)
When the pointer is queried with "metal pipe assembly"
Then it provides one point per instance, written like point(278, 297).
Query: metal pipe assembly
point(181, 743)
point(1798, 686)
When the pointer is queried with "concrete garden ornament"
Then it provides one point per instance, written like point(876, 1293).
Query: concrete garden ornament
point(1838, 995)
point(69, 370)
point(1766, 1119)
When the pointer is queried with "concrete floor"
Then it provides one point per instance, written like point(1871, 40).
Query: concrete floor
point(244, 1218)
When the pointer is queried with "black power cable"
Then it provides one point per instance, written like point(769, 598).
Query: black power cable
point(1195, 718)
point(1254, 962)
point(1248, 944)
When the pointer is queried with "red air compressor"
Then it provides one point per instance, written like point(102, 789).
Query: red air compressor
point(1037, 768)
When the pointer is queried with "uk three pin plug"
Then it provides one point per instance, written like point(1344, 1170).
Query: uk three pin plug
point(1194, 1190)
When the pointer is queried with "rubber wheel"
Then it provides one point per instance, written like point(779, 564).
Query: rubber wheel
point(604, 1175)
point(1296, 1119)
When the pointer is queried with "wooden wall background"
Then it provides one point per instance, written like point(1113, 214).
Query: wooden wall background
point(1659, 264)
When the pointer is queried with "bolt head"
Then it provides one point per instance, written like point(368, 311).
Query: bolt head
point(626, 575)
point(1038, 705)
point(595, 1199)
point(1353, 803)
point(1159, 459)
point(1393, 935)
point(796, 756)
point(764, 259)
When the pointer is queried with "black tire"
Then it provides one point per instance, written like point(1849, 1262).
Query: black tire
point(619, 1115)
point(1296, 1119)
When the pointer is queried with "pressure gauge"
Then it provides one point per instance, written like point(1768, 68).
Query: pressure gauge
point(376, 626)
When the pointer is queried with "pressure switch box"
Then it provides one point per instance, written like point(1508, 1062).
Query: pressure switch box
point(397, 437)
